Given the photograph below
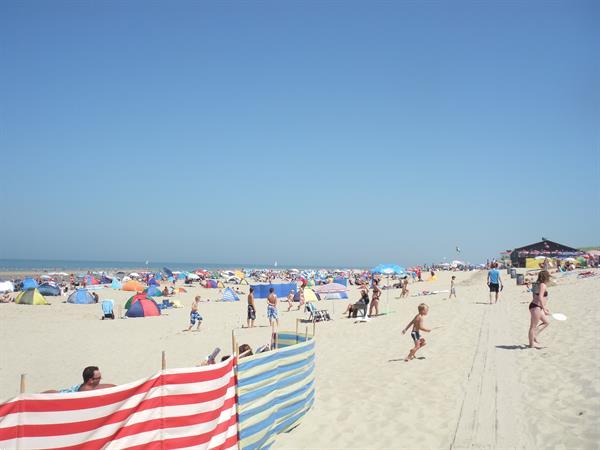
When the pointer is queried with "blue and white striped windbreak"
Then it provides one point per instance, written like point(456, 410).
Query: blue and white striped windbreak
point(275, 390)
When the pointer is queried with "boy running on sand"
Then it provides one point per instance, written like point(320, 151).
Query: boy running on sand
point(417, 324)
point(195, 315)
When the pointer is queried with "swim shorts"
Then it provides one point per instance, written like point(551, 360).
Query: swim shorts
point(494, 287)
point(195, 316)
point(251, 313)
point(272, 313)
point(415, 335)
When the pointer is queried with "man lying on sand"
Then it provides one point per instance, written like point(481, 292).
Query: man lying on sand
point(91, 381)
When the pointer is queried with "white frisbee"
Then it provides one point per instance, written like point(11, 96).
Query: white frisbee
point(559, 316)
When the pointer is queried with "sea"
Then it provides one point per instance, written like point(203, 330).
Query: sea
point(63, 265)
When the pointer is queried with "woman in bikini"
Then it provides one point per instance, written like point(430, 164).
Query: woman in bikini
point(375, 298)
point(538, 308)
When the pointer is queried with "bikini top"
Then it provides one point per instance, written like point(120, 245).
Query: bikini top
point(536, 290)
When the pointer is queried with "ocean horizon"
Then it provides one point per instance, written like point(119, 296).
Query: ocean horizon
point(48, 265)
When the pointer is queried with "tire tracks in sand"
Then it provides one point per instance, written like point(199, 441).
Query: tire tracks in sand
point(491, 414)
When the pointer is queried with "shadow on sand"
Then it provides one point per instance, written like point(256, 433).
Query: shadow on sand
point(513, 347)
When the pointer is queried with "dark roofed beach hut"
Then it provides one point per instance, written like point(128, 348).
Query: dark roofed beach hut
point(543, 248)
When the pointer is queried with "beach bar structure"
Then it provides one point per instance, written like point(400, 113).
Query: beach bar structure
point(519, 256)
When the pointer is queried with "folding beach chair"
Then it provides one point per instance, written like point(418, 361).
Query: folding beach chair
point(107, 309)
point(314, 314)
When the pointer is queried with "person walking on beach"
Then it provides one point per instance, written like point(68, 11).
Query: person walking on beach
point(417, 324)
point(538, 308)
point(290, 300)
point(404, 287)
point(375, 299)
point(494, 282)
point(251, 309)
point(195, 315)
point(272, 313)
point(452, 288)
point(301, 297)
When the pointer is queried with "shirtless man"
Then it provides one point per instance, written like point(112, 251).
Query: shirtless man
point(272, 313)
point(417, 324)
point(251, 309)
point(91, 379)
point(290, 300)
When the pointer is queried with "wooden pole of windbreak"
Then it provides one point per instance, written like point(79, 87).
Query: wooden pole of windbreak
point(306, 334)
point(164, 360)
point(23, 381)
point(314, 328)
point(234, 354)
point(297, 320)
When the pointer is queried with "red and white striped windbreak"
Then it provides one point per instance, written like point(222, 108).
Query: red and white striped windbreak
point(177, 408)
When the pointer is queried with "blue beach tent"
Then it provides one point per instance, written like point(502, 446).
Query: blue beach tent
point(81, 297)
point(48, 289)
point(29, 283)
point(116, 284)
point(229, 295)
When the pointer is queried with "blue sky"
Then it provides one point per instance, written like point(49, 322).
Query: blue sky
point(347, 133)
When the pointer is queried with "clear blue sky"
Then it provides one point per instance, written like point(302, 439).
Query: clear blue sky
point(347, 133)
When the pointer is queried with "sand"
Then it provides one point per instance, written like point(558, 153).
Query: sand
point(474, 385)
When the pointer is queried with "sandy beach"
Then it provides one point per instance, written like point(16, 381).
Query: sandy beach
point(475, 385)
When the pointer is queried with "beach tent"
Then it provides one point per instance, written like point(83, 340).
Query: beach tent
point(134, 298)
point(133, 285)
point(116, 284)
point(7, 286)
point(105, 280)
point(29, 283)
point(181, 276)
point(31, 297)
point(152, 282)
point(89, 280)
point(49, 289)
point(142, 306)
point(220, 284)
point(229, 295)
point(153, 291)
point(210, 284)
point(81, 297)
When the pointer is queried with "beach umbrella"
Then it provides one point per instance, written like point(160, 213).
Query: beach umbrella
point(388, 269)
point(168, 272)
point(193, 276)
point(331, 288)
